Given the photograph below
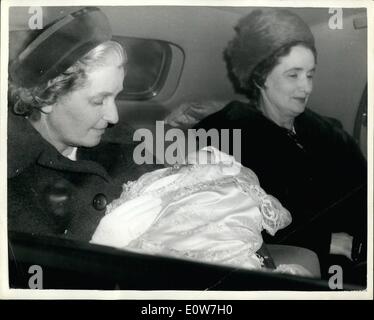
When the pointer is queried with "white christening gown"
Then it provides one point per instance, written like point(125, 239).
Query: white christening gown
point(212, 211)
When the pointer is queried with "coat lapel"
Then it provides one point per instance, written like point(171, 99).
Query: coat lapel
point(27, 147)
point(51, 158)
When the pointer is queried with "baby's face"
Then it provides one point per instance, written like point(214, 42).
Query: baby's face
point(200, 157)
point(219, 163)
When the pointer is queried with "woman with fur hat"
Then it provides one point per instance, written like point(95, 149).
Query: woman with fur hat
point(299, 156)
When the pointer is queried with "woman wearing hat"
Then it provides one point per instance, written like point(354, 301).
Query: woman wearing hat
point(63, 86)
point(304, 159)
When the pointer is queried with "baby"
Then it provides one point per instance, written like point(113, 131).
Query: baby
point(210, 210)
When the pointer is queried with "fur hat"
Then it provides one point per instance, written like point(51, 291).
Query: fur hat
point(58, 46)
point(259, 35)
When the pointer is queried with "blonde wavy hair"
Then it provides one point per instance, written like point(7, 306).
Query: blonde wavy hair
point(28, 102)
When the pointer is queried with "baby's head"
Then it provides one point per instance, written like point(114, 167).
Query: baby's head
point(203, 156)
point(212, 156)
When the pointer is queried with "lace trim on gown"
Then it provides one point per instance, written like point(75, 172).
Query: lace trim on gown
point(275, 216)
point(170, 185)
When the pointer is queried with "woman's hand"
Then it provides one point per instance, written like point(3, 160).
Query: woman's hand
point(341, 244)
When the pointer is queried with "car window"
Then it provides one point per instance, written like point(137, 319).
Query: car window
point(148, 66)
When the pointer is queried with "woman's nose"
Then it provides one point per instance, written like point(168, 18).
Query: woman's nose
point(111, 112)
point(306, 85)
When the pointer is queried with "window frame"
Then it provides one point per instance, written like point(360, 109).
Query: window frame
point(161, 78)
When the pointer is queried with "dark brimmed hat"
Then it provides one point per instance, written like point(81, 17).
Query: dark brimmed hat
point(58, 46)
point(259, 35)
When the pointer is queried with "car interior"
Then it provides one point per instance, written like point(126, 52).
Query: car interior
point(177, 74)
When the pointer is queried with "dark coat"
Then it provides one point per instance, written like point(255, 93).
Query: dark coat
point(51, 195)
point(319, 175)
